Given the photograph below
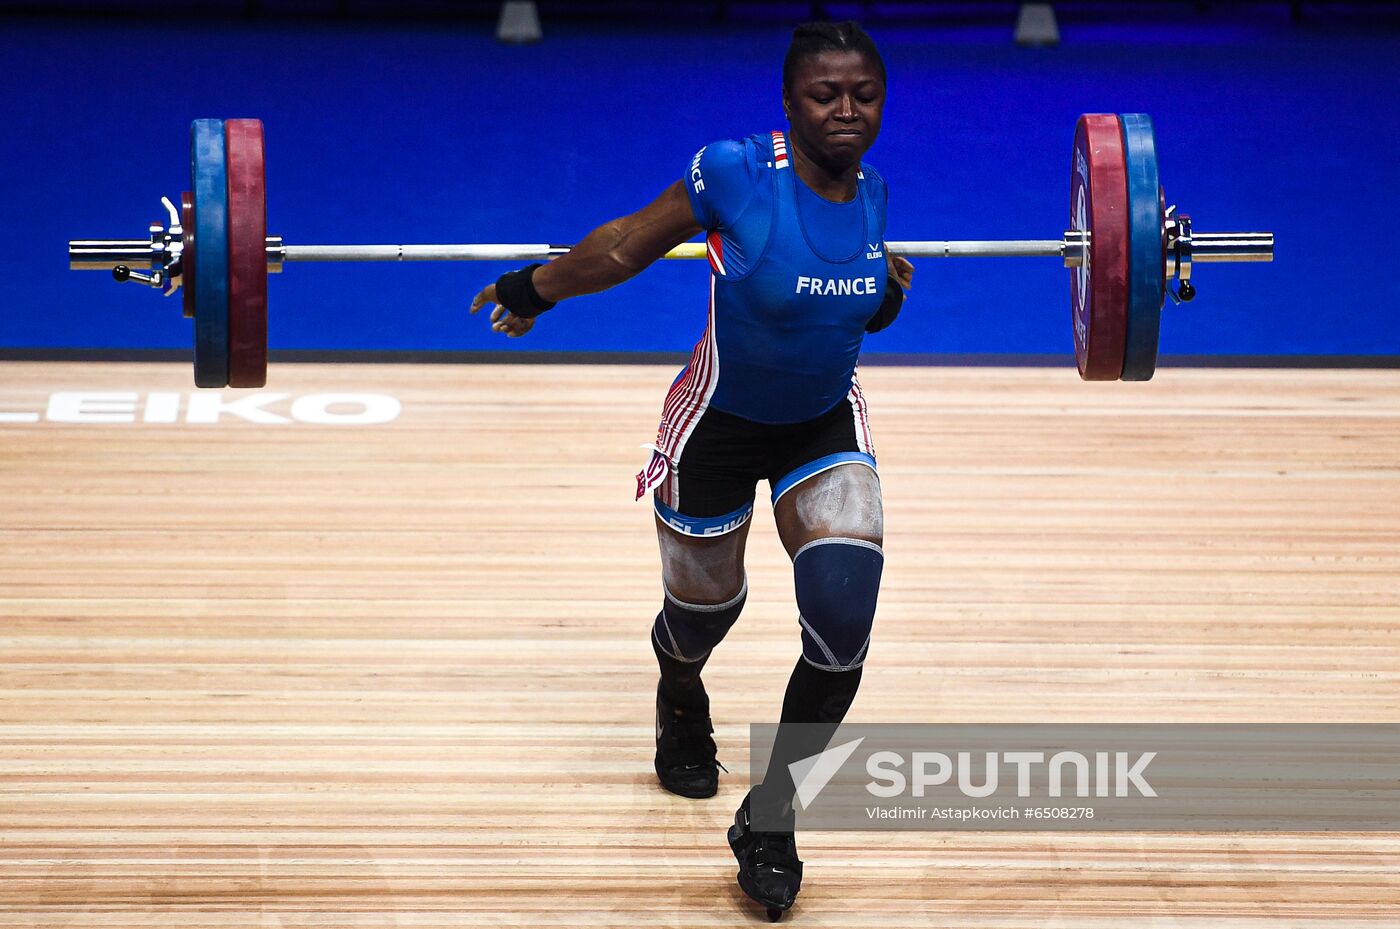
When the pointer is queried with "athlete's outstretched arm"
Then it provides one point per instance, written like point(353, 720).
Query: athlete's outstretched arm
point(606, 257)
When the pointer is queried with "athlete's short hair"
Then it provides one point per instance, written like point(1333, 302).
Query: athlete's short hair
point(811, 39)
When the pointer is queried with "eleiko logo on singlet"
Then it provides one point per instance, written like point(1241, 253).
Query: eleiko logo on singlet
point(700, 529)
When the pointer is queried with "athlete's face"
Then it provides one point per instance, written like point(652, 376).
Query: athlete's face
point(834, 103)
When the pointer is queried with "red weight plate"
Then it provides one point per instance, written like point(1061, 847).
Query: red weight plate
point(1098, 208)
point(187, 254)
point(247, 253)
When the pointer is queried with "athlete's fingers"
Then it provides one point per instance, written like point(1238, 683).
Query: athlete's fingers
point(487, 295)
point(514, 326)
point(904, 270)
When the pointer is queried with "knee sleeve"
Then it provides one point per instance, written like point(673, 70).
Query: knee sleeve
point(837, 583)
point(687, 631)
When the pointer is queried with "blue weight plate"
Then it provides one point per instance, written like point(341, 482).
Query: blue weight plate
point(1145, 231)
point(210, 187)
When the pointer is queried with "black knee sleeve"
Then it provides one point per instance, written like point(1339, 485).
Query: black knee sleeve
point(687, 631)
point(837, 583)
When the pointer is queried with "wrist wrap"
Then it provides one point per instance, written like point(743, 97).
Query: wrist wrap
point(516, 292)
point(889, 307)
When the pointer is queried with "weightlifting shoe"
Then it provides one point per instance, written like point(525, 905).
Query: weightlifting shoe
point(685, 752)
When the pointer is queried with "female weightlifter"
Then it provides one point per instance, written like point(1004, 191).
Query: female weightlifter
point(794, 226)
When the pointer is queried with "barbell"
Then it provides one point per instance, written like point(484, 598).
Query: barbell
point(1126, 250)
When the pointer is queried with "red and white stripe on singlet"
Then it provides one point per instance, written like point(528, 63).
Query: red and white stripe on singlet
point(780, 153)
point(686, 402)
point(861, 412)
point(714, 250)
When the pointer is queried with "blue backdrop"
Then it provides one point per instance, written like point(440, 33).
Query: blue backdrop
point(389, 133)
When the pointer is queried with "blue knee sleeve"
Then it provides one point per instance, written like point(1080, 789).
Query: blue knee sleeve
point(687, 631)
point(837, 582)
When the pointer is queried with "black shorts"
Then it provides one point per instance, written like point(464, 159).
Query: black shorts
point(709, 488)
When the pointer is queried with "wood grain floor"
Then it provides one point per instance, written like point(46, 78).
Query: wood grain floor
point(293, 675)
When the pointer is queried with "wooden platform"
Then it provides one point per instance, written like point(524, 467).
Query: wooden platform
point(397, 674)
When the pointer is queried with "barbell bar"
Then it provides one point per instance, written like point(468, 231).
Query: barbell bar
point(1126, 249)
point(107, 254)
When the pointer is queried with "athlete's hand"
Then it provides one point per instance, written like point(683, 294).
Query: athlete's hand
point(902, 269)
point(502, 319)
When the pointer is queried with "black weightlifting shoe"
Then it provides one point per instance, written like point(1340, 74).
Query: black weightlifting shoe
point(685, 752)
point(769, 870)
